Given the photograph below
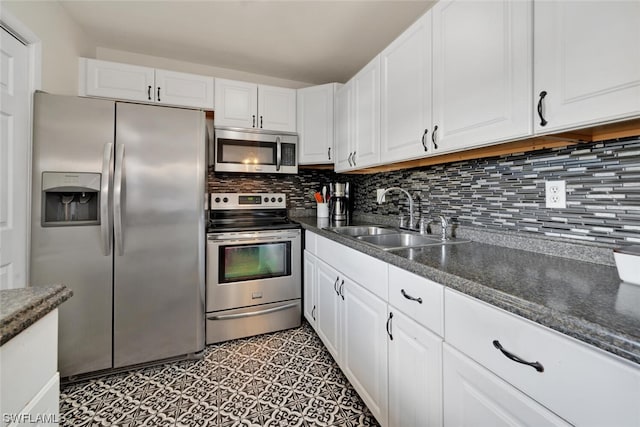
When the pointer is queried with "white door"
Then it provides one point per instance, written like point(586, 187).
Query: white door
point(276, 108)
point(587, 60)
point(14, 161)
point(329, 308)
point(115, 80)
point(366, 115)
point(364, 346)
point(415, 374)
point(405, 98)
point(236, 104)
point(473, 396)
point(309, 288)
point(343, 122)
point(481, 72)
point(189, 90)
point(315, 124)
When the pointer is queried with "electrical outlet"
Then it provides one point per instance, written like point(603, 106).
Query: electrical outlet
point(555, 194)
point(379, 197)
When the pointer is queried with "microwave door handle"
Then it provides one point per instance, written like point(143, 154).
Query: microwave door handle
point(278, 153)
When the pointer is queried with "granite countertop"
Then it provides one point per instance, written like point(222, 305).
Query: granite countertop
point(20, 308)
point(581, 299)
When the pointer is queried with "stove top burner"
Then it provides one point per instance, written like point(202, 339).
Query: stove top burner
point(248, 212)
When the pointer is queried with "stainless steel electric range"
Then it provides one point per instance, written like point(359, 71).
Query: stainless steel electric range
point(254, 279)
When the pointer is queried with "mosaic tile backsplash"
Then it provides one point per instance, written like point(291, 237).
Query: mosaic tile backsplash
point(500, 193)
point(508, 192)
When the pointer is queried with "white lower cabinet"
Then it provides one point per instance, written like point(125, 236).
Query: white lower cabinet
point(364, 346)
point(415, 374)
point(473, 396)
point(329, 306)
point(310, 289)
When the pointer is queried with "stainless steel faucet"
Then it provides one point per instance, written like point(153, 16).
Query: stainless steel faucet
point(406, 193)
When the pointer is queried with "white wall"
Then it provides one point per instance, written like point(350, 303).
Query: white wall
point(63, 41)
point(114, 55)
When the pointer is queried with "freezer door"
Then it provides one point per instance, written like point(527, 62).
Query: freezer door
point(159, 233)
point(73, 135)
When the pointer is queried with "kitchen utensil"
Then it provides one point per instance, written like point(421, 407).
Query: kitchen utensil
point(324, 194)
point(318, 197)
point(66, 200)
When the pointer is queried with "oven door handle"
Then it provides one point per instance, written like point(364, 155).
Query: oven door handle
point(255, 239)
point(252, 313)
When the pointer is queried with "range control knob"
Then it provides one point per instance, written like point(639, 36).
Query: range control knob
point(266, 199)
point(217, 199)
point(225, 200)
point(279, 199)
point(273, 200)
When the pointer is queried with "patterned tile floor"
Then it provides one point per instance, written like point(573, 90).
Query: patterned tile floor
point(284, 379)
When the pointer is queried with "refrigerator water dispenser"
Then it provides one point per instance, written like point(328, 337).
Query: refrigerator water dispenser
point(70, 198)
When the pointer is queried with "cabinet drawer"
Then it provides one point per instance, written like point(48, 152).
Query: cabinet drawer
point(367, 271)
point(405, 288)
point(583, 385)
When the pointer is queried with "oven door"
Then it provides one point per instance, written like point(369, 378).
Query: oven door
point(255, 151)
point(252, 268)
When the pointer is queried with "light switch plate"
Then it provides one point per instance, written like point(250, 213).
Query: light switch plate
point(379, 197)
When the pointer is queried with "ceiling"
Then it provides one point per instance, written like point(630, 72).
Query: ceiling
point(308, 41)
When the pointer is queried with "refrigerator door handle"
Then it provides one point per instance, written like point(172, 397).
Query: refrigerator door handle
point(117, 199)
point(105, 184)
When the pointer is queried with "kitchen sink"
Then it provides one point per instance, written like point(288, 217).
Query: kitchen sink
point(400, 240)
point(363, 230)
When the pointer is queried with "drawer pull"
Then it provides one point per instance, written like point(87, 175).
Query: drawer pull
point(536, 365)
point(407, 296)
point(389, 325)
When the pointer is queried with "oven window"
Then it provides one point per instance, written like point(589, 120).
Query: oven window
point(255, 261)
point(246, 152)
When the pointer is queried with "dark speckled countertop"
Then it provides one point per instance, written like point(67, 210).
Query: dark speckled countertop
point(20, 308)
point(584, 300)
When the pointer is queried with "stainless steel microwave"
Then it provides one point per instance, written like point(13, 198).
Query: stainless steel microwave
point(255, 151)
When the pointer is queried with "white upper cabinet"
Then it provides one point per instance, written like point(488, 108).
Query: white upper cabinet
point(482, 66)
point(248, 105)
point(366, 115)
point(236, 104)
point(315, 124)
point(405, 105)
point(131, 82)
point(277, 108)
point(587, 62)
point(343, 128)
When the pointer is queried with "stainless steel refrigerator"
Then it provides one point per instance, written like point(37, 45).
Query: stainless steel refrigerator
point(118, 216)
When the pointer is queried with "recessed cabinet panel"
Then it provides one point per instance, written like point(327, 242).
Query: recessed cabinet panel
point(587, 60)
point(184, 89)
point(473, 396)
point(405, 105)
point(315, 124)
point(309, 288)
point(276, 108)
point(236, 104)
point(482, 70)
point(344, 127)
point(329, 308)
point(366, 115)
point(114, 80)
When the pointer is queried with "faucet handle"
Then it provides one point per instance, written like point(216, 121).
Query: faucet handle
point(424, 225)
point(444, 224)
point(402, 221)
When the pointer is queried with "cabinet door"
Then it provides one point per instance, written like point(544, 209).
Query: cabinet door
point(189, 90)
point(366, 115)
point(364, 346)
point(587, 60)
point(481, 72)
point(405, 99)
point(114, 80)
point(276, 108)
point(473, 396)
point(315, 124)
point(329, 305)
point(310, 289)
point(415, 374)
point(236, 103)
point(344, 128)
